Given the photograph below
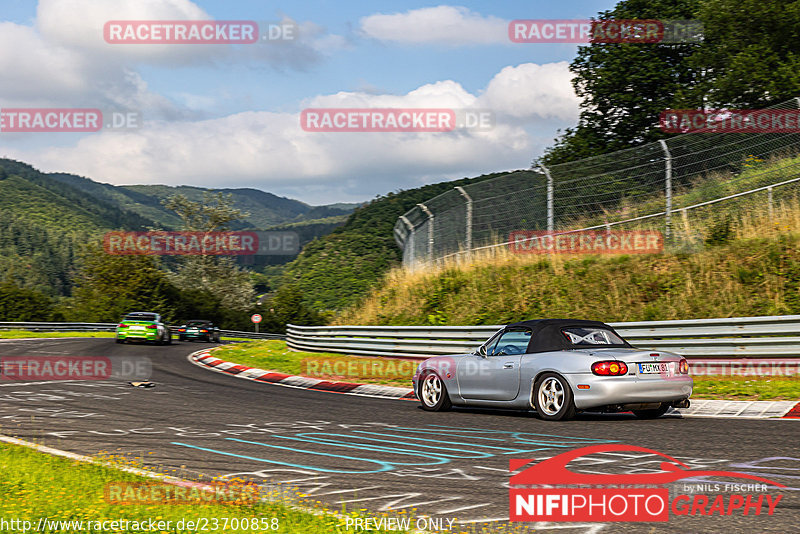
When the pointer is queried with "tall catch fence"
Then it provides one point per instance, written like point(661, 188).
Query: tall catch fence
point(670, 186)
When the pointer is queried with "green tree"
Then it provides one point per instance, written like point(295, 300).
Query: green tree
point(22, 304)
point(213, 214)
point(624, 87)
point(750, 57)
point(229, 286)
point(108, 286)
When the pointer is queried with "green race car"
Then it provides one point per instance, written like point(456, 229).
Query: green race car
point(143, 326)
point(199, 329)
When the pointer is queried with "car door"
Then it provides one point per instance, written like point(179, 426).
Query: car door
point(492, 372)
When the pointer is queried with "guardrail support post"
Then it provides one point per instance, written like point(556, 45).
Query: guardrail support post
point(667, 191)
point(468, 243)
point(428, 212)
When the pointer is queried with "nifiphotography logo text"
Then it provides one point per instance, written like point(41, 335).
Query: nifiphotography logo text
point(631, 497)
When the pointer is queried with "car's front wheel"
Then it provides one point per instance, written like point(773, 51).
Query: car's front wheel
point(552, 398)
point(120, 340)
point(433, 393)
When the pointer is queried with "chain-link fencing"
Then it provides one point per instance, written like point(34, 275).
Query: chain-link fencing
point(659, 186)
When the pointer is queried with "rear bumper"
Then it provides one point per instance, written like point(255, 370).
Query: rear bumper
point(628, 389)
point(146, 336)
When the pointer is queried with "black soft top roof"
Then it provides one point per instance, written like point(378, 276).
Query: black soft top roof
point(546, 333)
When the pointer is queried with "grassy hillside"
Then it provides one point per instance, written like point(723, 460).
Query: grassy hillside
point(336, 270)
point(754, 270)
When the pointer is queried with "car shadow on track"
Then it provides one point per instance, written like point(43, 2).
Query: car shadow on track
point(531, 414)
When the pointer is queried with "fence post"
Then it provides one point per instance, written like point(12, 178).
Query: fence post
point(769, 202)
point(667, 191)
point(464, 194)
point(550, 210)
point(428, 212)
point(410, 241)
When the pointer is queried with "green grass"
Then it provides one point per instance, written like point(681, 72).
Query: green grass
point(34, 485)
point(273, 355)
point(22, 334)
point(747, 388)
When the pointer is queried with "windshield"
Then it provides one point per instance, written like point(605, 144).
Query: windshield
point(141, 317)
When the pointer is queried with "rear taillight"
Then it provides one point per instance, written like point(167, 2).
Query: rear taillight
point(151, 327)
point(181, 330)
point(683, 367)
point(610, 368)
point(204, 330)
point(122, 325)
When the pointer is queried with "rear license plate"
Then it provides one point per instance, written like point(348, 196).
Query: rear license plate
point(192, 330)
point(653, 368)
point(137, 328)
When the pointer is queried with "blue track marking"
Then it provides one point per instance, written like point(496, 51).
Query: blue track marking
point(406, 441)
point(385, 466)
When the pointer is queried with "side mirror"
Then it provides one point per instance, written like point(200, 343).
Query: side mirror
point(480, 351)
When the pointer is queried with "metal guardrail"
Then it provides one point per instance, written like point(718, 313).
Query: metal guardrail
point(737, 337)
point(110, 327)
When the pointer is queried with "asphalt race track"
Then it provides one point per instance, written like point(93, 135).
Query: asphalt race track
point(371, 453)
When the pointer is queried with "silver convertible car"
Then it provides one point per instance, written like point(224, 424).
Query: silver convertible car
point(557, 367)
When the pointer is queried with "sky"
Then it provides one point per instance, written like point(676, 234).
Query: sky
point(230, 115)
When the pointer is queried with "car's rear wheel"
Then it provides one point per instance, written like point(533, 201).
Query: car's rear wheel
point(433, 393)
point(168, 338)
point(552, 398)
point(120, 340)
point(652, 414)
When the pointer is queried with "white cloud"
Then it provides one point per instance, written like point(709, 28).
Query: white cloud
point(270, 151)
point(448, 25)
point(531, 91)
point(62, 60)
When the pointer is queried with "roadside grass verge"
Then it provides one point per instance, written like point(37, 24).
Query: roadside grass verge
point(22, 334)
point(35, 485)
point(273, 355)
point(747, 387)
point(741, 264)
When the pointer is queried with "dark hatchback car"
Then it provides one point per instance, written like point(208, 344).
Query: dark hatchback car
point(199, 329)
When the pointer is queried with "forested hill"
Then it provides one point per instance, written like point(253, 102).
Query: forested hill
point(44, 217)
